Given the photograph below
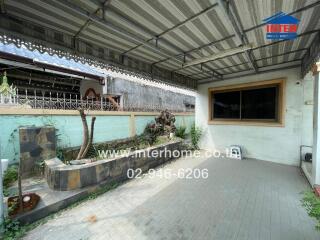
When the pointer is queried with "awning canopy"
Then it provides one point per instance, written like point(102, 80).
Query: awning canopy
point(46, 61)
point(159, 37)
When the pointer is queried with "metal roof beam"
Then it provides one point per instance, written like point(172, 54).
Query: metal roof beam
point(269, 65)
point(97, 2)
point(285, 40)
point(259, 59)
point(195, 49)
point(175, 27)
point(213, 71)
point(262, 46)
point(233, 35)
point(107, 25)
point(312, 5)
point(250, 74)
point(105, 7)
point(237, 28)
point(87, 23)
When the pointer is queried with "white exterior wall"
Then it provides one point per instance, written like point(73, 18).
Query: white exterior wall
point(307, 110)
point(277, 144)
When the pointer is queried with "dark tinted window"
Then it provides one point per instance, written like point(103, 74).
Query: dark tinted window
point(259, 103)
point(226, 105)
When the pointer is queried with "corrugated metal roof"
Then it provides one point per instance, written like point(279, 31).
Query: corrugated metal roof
point(52, 60)
point(208, 33)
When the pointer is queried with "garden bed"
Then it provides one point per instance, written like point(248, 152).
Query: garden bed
point(69, 177)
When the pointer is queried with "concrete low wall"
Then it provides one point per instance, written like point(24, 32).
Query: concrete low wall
point(108, 126)
point(70, 177)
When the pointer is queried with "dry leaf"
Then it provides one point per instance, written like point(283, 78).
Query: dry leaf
point(92, 218)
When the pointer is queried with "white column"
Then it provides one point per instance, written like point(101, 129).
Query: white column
point(1, 199)
point(316, 128)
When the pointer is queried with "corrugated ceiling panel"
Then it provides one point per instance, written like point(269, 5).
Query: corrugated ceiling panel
point(26, 16)
point(118, 40)
point(148, 18)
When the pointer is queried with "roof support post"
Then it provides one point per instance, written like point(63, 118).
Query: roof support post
point(316, 127)
point(312, 54)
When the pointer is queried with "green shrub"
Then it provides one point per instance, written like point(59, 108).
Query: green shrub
point(12, 230)
point(312, 203)
point(181, 132)
point(10, 176)
point(196, 133)
point(151, 132)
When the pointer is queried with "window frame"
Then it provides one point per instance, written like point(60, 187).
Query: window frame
point(247, 86)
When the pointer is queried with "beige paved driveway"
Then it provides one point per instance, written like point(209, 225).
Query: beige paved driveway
point(246, 199)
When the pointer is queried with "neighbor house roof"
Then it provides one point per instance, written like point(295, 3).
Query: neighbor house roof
point(45, 60)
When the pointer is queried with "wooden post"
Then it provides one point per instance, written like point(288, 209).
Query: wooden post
point(132, 125)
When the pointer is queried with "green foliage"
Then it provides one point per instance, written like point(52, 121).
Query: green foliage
point(12, 230)
point(181, 132)
point(312, 203)
point(12, 140)
point(59, 154)
point(10, 176)
point(196, 133)
point(151, 132)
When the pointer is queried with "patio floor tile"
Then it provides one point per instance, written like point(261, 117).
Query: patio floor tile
point(246, 199)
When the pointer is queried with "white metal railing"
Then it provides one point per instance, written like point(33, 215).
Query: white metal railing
point(7, 99)
point(65, 103)
point(74, 102)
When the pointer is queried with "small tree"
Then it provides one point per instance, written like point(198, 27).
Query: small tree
point(87, 141)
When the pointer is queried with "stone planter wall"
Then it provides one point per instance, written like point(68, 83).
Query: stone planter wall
point(69, 177)
point(36, 145)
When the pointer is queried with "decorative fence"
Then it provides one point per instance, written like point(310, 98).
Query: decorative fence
point(65, 103)
point(104, 104)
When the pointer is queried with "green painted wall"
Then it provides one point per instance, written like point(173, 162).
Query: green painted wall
point(186, 121)
point(69, 129)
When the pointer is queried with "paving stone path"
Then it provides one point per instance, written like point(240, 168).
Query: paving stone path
point(246, 199)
